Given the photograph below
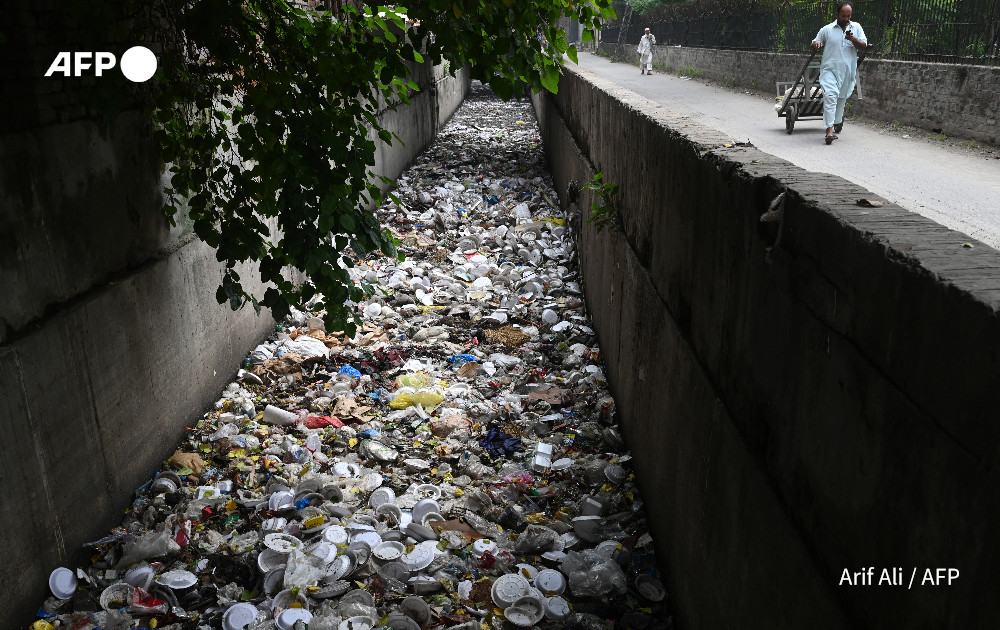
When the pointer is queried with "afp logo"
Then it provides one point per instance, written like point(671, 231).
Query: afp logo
point(138, 64)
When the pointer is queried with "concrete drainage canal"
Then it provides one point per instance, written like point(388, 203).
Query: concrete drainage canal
point(456, 464)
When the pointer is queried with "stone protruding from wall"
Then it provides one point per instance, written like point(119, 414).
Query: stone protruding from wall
point(111, 339)
point(954, 99)
point(796, 408)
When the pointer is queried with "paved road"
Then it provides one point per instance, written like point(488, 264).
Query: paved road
point(959, 189)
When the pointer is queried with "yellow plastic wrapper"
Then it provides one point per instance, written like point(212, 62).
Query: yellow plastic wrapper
point(427, 400)
point(416, 380)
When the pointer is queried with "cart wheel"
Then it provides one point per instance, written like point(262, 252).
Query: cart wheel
point(790, 116)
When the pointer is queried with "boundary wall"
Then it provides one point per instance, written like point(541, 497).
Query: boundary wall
point(803, 397)
point(111, 339)
point(957, 100)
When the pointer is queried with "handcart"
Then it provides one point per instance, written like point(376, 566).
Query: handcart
point(804, 99)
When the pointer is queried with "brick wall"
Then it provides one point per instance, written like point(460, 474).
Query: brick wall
point(952, 99)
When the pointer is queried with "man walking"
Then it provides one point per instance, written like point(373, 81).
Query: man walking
point(841, 40)
point(646, 53)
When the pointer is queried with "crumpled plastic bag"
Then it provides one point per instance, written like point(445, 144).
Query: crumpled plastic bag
point(307, 346)
point(183, 460)
point(427, 400)
point(416, 380)
point(536, 539)
point(500, 444)
point(318, 422)
point(434, 332)
point(592, 574)
point(445, 426)
point(303, 570)
point(142, 603)
point(149, 545)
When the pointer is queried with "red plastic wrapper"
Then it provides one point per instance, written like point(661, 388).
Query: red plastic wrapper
point(318, 422)
point(145, 604)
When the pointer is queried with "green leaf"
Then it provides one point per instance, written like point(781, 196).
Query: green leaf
point(571, 53)
point(418, 57)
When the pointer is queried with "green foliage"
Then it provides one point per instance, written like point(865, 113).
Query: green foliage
point(268, 119)
point(606, 214)
point(690, 71)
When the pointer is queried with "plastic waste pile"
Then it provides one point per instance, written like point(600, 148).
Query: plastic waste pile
point(455, 464)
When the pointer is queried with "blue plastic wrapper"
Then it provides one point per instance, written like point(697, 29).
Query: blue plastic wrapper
point(368, 433)
point(461, 359)
point(347, 369)
point(44, 615)
point(500, 444)
point(491, 200)
point(381, 394)
point(301, 503)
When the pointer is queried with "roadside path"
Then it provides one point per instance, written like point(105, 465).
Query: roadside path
point(958, 189)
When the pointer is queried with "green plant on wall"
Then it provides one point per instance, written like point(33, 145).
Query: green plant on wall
point(605, 213)
point(268, 118)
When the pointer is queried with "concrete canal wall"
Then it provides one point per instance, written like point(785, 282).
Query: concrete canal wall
point(796, 407)
point(111, 340)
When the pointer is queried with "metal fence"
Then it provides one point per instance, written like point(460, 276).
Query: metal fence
point(950, 31)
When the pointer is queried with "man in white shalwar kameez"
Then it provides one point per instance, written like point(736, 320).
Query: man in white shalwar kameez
point(645, 51)
point(840, 41)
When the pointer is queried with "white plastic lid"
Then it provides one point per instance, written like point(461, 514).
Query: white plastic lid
point(527, 570)
point(387, 551)
point(417, 609)
point(556, 608)
point(269, 559)
point(419, 558)
point(359, 622)
point(62, 583)
point(483, 545)
point(424, 506)
point(562, 464)
point(380, 496)
point(372, 481)
point(281, 542)
point(335, 534)
point(394, 570)
point(286, 618)
point(509, 588)
point(177, 579)
point(372, 538)
point(239, 616)
point(429, 491)
point(346, 469)
point(340, 567)
point(586, 527)
point(650, 588)
point(140, 577)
